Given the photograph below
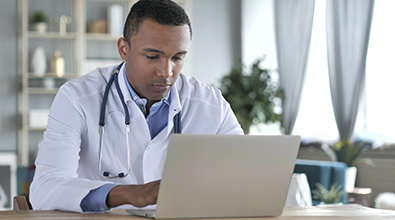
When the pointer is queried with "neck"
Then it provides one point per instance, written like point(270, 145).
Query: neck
point(149, 104)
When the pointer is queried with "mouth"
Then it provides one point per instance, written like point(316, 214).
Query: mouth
point(161, 87)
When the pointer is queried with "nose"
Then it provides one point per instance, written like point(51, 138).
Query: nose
point(165, 69)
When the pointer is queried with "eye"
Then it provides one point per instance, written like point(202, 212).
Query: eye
point(177, 58)
point(152, 57)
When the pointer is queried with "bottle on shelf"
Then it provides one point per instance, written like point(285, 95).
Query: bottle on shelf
point(38, 62)
point(57, 64)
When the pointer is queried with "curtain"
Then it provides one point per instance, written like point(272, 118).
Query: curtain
point(348, 26)
point(293, 24)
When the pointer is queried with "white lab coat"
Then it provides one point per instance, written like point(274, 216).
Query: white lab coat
point(67, 161)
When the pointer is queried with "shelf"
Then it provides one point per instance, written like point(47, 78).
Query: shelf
point(74, 45)
point(37, 128)
point(66, 76)
point(51, 35)
point(101, 37)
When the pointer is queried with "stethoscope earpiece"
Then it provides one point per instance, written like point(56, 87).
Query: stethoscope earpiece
point(107, 175)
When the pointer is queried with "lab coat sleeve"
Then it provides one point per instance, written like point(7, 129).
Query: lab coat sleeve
point(229, 122)
point(56, 184)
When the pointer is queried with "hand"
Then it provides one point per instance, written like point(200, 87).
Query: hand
point(136, 195)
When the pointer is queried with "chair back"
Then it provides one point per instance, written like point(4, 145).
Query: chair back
point(22, 203)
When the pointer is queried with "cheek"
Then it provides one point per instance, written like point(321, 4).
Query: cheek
point(141, 68)
point(177, 67)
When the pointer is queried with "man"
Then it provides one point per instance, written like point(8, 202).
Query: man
point(157, 34)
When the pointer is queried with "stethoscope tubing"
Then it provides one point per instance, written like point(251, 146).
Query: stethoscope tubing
point(114, 79)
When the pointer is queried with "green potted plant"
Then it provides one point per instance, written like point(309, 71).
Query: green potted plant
point(331, 196)
point(349, 152)
point(39, 20)
point(255, 96)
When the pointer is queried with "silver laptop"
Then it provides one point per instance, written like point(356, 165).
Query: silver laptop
point(208, 176)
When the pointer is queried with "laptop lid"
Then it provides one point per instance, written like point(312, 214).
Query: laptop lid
point(226, 175)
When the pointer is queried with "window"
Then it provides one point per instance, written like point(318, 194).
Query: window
point(376, 116)
point(380, 73)
point(316, 117)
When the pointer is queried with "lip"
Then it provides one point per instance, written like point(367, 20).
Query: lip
point(161, 87)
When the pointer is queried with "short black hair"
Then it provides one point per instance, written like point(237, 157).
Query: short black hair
point(164, 12)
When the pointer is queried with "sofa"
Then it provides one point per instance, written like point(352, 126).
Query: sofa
point(324, 172)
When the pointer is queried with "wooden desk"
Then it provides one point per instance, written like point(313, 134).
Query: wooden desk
point(348, 212)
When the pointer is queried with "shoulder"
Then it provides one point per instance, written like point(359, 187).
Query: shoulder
point(192, 89)
point(89, 84)
point(204, 110)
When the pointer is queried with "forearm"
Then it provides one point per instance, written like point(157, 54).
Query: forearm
point(49, 191)
point(136, 195)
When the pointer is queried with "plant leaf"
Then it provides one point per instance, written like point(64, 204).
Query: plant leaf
point(333, 195)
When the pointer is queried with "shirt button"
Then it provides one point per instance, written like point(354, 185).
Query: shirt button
point(148, 148)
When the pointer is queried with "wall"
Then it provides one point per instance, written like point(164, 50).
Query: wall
point(258, 33)
point(216, 43)
point(8, 75)
point(215, 48)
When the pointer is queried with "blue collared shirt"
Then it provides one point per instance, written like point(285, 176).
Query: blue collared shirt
point(95, 201)
point(159, 111)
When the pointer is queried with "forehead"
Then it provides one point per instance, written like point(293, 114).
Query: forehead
point(155, 35)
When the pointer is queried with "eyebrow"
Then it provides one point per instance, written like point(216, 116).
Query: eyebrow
point(161, 52)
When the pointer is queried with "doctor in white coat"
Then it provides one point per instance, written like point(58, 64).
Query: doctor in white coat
point(154, 46)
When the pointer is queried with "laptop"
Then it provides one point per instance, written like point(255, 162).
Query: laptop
point(209, 176)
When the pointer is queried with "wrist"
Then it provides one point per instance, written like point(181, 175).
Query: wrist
point(117, 196)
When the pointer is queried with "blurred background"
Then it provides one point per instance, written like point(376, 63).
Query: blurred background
point(226, 34)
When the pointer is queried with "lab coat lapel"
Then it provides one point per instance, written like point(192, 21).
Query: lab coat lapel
point(174, 108)
point(137, 119)
point(122, 85)
point(113, 101)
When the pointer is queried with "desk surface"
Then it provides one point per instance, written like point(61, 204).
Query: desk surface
point(348, 212)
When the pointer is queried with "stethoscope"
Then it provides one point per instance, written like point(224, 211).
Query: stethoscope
point(114, 78)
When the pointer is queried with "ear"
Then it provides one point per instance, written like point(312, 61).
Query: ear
point(123, 48)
